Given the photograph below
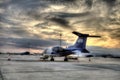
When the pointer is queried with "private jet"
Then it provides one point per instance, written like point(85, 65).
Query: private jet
point(74, 51)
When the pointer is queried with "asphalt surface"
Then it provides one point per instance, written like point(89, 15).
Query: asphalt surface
point(31, 68)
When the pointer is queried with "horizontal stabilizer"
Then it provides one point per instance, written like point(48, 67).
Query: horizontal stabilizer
point(84, 35)
point(80, 34)
point(93, 36)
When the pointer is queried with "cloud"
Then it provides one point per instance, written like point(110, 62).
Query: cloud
point(89, 3)
point(37, 19)
point(110, 2)
point(27, 42)
point(61, 21)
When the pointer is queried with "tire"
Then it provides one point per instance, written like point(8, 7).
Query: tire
point(66, 59)
point(52, 59)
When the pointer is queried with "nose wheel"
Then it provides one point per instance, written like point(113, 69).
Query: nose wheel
point(52, 59)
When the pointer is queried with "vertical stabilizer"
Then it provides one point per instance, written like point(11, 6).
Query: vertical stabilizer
point(80, 44)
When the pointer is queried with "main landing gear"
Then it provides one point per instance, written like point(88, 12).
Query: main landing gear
point(65, 59)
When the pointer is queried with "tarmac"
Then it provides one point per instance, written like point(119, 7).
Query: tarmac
point(32, 68)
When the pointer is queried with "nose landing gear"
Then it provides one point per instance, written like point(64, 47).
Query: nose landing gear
point(52, 59)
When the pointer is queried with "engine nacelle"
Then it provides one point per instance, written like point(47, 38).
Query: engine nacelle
point(57, 49)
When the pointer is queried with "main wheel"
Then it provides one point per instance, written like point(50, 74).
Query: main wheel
point(65, 59)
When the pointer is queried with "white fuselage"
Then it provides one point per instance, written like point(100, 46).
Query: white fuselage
point(76, 54)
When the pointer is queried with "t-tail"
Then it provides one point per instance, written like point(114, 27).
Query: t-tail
point(80, 44)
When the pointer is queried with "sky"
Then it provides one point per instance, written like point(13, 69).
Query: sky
point(37, 24)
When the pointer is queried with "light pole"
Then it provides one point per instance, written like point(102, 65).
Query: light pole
point(29, 45)
point(60, 39)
